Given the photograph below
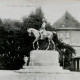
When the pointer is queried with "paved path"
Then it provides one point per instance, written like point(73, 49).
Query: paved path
point(13, 75)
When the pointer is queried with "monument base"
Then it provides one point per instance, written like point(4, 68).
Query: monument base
point(44, 61)
point(44, 58)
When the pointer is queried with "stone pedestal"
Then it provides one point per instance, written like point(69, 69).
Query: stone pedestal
point(44, 58)
point(43, 61)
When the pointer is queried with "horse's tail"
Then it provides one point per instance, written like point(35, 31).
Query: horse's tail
point(55, 36)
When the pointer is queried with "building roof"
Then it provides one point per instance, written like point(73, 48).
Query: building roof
point(67, 21)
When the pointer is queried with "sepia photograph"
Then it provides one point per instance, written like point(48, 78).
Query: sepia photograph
point(39, 40)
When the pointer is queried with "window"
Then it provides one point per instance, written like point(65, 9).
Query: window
point(61, 35)
point(62, 25)
point(67, 35)
point(68, 38)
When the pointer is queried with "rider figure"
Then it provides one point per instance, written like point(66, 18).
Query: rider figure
point(42, 29)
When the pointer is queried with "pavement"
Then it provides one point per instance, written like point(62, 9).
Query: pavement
point(24, 75)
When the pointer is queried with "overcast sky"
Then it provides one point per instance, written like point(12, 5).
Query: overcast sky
point(53, 10)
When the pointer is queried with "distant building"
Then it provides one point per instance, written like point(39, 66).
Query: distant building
point(68, 30)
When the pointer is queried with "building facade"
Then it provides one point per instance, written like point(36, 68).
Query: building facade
point(68, 30)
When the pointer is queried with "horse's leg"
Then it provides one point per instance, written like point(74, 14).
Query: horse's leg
point(48, 45)
point(53, 44)
point(34, 42)
point(37, 45)
point(33, 45)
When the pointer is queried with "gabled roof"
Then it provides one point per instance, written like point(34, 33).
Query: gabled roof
point(67, 21)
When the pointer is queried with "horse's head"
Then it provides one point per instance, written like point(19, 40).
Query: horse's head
point(29, 31)
point(33, 32)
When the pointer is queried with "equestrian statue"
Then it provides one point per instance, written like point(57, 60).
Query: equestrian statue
point(42, 34)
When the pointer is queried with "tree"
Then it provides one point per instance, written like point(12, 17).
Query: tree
point(49, 27)
point(10, 39)
point(10, 55)
point(66, 53)
point(34, 20)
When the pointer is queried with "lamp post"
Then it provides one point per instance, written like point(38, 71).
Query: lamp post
point(63, 57)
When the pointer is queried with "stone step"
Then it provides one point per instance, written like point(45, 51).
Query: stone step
point(43, 69)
